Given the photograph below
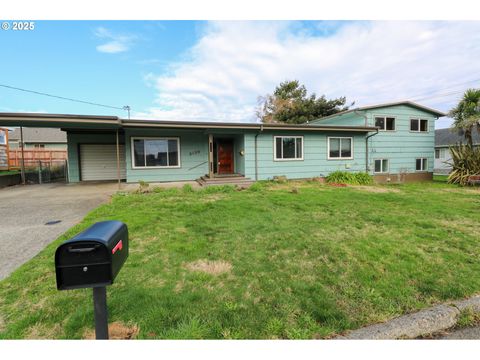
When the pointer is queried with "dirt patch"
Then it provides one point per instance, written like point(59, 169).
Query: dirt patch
point(116, 331)
point(292, 185)
point(213, 267)
point(43, 332)
point(179, 286)
point(376, 189)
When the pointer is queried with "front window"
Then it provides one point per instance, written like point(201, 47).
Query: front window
point(288, 148)
point(385, 123)
point(381, 165)
point(421, 164)
point(155, 152)
point(340, 148)
point(419, 125)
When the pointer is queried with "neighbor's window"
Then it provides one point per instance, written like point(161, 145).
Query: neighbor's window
point(440, 153)
point(419, 125)
point(288, 148)
point(340, 148)
point(381, 165)
point(421, 164)
point(156, 152)
point(385, 123)
point(39, 146)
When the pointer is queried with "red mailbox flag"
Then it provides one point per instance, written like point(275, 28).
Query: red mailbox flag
point(119, 246)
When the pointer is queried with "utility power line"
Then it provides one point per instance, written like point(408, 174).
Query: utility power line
point(428, 96)
point(439, 95)
point(127, 108)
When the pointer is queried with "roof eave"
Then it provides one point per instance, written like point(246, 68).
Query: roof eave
point(370, 107)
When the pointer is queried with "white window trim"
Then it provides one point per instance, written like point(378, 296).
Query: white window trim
point(383, 170)
point(287, 137)
point(385, 122)
point(419, 131)
point(426, 165)
point(132, 151)
point(339, 158)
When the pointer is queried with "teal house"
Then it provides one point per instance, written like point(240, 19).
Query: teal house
point(393, 142)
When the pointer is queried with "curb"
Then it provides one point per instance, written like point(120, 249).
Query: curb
point(423, 322)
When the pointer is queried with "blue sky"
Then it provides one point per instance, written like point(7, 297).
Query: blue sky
point(199, 70)
point(66, 58)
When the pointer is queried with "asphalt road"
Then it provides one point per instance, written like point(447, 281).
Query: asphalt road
point(24, 211)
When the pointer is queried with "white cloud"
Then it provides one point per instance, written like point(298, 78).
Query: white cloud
point(234, 62)
point(115, 43)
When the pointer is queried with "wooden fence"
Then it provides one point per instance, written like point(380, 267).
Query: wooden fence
point(34, 157)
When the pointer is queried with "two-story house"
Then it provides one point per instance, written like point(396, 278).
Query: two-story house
point(403, 148)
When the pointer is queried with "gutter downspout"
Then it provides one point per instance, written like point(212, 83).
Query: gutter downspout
point(256, 153)
point(366, 150)
point(366, 138)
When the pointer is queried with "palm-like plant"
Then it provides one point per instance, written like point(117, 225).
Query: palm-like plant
point(466, 114)
point(465, 162)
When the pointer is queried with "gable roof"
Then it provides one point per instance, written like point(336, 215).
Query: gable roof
point(39, 135)
point(377, 106)
point(446, 137)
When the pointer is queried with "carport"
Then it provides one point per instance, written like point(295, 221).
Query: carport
point(96, 145)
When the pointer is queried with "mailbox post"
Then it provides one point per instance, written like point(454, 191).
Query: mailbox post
point(92, 259)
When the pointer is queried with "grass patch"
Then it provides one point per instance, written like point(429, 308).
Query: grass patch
point(267, 262)
point(440, 178)
point(8, 172)
point(467, 318)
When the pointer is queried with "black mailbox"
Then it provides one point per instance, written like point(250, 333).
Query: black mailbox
point(92, 258)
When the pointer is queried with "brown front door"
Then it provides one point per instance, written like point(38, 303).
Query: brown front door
point(225, 156)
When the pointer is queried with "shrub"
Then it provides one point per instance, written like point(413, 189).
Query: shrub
point(344, 177)
point(465, 163)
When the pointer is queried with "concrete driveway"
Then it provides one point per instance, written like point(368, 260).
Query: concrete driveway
point(24, 210)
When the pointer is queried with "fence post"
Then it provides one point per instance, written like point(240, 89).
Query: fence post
point(23, 156)
point(66, 171)
point(39, 172)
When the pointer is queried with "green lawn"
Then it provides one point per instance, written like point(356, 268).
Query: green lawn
point(268, 262)
point(440, 178)
point(8, 172)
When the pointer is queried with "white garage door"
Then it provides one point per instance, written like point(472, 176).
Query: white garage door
point(99, 162)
